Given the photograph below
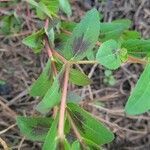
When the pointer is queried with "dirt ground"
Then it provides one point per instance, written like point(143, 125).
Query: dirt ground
point(19, 67)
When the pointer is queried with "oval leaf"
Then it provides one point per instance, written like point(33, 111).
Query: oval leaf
point(113, 30)
point(51, 140)
point(79, 78)
point(34, 128)
point(89, 128)
point(43, 83)
point(35, 41)
point(75, 145)
point(51, 98)
point(108, 55)
point(137, 47)
point(139, 101)
point(84, 36)
point(65, 7)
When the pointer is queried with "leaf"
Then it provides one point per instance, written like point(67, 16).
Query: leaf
point(88, 127)
point(40, 14)
point(47, 7)
point(35, 41)
point(113, 30)
point(75, 145)
point(50, 30)
point(67, 126)
point(50, 34)
point(6, 25)
point(130, 35)
point(84, 37)
point(43, 83)
point(63, 37)
point(34, 128)
point(64, 145)
point(52, 5)
point(91, 55)
point(69, 25)
point(10, 24)
point(108, 55)
point(137, 47)
point(65, 7)
point(139, 100)
point(91, 145)
point(51, 140)
point(79, 78)
point(52, 96)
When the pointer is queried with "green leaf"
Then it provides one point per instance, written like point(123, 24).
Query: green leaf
point(6, 25)
point(84, 36)
point(65, 7)
point(123, 53)
point(137, 47)
point(139, 101)
point(43, 83)
point(88, 127)
point(75, 145)
point(91, 145)
point(113, 30)
point(40, 14)
point(91, 55)
point(79, 78)
point(47, 7)
point(69, 25)
point(67, 126)
point(52, 96)
point(10, 24)
point(51, 35)
point(34, 128)
point(51, 140)
point(108, 55)
point(35, 41)
point(130, 35)
point(66, 145)
point(63, 37)
point(52, 5)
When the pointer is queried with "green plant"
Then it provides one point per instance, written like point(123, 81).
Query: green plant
point(109, 78)
point(115, 45)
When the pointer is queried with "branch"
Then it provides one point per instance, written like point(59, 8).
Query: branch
point(136, 60)
point(63, 103)
point(50, 54)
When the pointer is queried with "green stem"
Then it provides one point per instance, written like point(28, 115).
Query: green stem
point(83, 62)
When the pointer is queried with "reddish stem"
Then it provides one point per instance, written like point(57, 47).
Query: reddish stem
point(136, 60)
point(63, 103)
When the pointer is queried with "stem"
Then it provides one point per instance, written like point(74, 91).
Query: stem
point(63, 103)
point(136, 60)
point(74, 128)
point(83, 62)
point(79, 137)
point(55, 53)
point(4, 145)
point(50, 54)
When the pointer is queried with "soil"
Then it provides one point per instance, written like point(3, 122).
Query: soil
point(19, 67)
